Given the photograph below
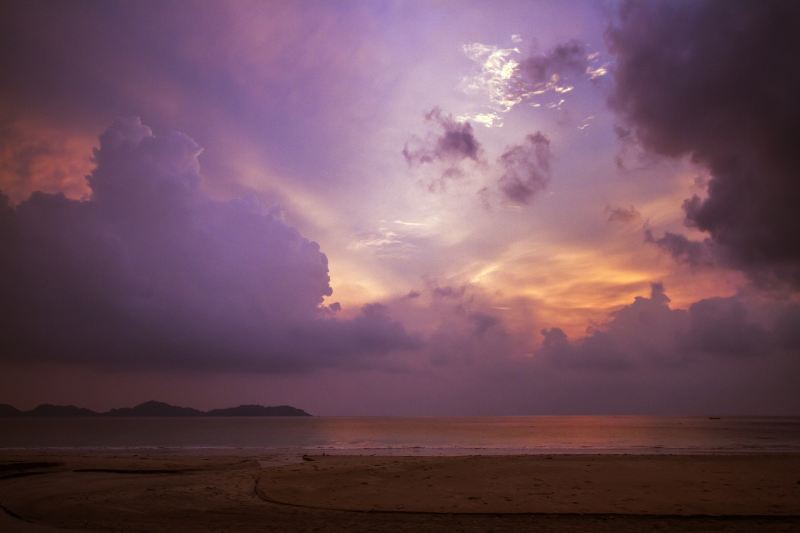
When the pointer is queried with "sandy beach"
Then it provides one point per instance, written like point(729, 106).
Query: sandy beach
point(177, 492)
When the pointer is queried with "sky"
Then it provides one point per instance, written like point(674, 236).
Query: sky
point(401, 207)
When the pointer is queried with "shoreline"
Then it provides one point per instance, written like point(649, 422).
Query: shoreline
point(301, 491)
point(413, 451)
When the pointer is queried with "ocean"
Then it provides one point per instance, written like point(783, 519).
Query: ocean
point(504, 435)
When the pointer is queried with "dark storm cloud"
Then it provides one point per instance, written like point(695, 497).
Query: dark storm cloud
point(526, 169)
point(648, 331)
point(623, 215)
point(718, 81)
point(152, 273)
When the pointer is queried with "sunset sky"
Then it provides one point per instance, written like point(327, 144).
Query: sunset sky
point(400, 207)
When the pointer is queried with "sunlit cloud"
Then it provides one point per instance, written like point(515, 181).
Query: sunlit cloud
point(505, 77)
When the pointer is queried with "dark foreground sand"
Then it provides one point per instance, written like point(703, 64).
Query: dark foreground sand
point(46, 492)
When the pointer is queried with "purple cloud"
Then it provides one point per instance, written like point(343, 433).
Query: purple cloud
point(648, 332)
point(150, 272)
point(468, 332)
point(723, 326)
point(526, 169)
point(455, 142)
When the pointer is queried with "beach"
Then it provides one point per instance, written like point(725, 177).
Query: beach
point(219, 491)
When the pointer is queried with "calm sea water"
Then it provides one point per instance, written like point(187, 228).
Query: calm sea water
point(413, 436)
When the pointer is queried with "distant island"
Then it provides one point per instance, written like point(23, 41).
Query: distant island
point(149, 409)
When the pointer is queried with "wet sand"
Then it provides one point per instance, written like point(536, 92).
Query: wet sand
point(622, 493)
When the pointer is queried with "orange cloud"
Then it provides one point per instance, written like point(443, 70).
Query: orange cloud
point(38, 157)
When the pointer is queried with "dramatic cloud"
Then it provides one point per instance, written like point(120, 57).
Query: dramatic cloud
point(191, 283)
point(718, 81)
point(149, 272)
point(649, 332)
point(526, 169)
